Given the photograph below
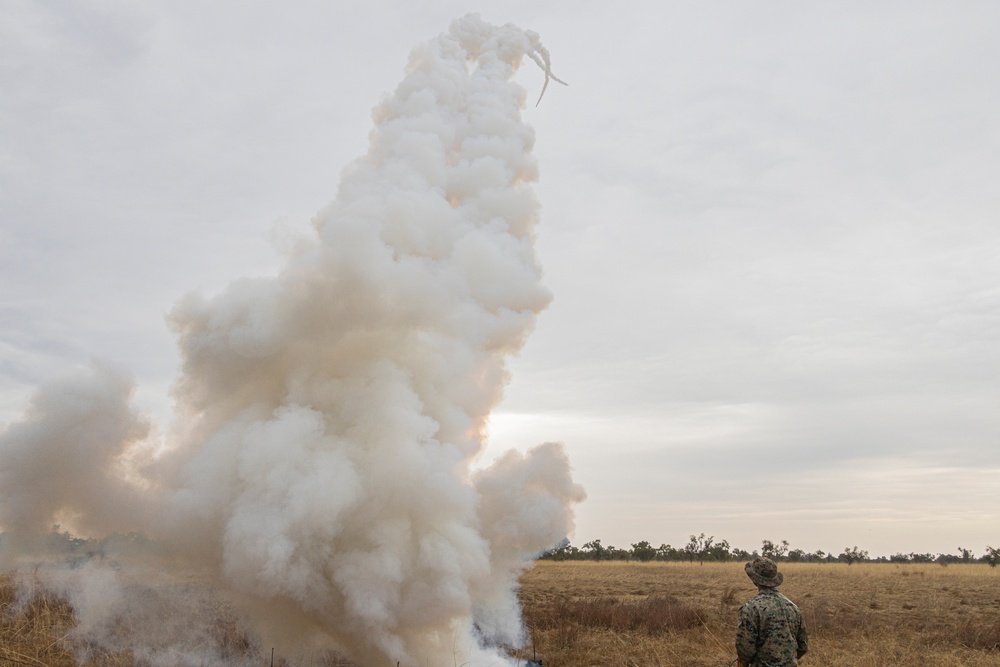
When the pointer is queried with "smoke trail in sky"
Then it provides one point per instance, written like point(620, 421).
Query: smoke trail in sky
point(319, 468)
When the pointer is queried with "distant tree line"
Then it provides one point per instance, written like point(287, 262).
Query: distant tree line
point(701, 549)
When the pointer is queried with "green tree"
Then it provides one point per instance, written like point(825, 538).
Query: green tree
point(643, 551)
point(691, 549)
point(562, 551)
point(853, 555)
point(720, 551)
point(992, 556)
point(667, 552)
point(797, 555)
point(704, 547)
point(595, 550)
point(741, 554)
point(775, 552)
point(614, 553)
point(698, 547)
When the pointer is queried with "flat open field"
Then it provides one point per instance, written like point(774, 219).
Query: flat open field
point(617, 614)
point(611, 614)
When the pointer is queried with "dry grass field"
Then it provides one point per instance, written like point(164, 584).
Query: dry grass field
point(617, 614)
point(612, 614)
point(30, 629)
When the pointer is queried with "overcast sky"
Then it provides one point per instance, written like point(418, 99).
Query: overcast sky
point(770, 228)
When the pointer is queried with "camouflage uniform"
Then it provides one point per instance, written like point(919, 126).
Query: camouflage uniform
point(772, 632)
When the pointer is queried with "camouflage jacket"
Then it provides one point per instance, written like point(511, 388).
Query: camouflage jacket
point(772, 632)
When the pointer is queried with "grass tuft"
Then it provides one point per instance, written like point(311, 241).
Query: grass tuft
point(979, 633)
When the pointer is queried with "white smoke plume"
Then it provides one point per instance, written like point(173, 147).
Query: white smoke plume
point(319, 469)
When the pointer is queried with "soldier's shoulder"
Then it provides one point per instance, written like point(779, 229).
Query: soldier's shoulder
point(786, 601)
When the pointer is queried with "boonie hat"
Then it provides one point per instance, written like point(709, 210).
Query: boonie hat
point(763, 572)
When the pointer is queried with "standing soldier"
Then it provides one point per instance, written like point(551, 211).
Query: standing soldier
point(772, 632)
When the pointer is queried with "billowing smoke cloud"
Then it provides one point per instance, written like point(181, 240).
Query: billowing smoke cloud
point(319, 470)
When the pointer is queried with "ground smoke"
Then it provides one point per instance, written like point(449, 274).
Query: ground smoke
point(318, 473)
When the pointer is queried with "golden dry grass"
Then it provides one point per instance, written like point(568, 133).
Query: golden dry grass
point(31, 628)
point(863, 615)
point(583, 614)
point(36, 630)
